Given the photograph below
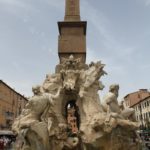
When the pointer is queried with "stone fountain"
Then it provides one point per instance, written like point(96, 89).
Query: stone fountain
point(43, 124)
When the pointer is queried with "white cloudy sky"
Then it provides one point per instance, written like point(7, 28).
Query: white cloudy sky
point(118, 34)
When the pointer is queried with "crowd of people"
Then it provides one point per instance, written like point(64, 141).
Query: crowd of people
point(6, 143)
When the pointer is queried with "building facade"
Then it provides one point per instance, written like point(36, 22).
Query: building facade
point(135, 97)
point(140, 101)
point(142, 112)
point(11, 104)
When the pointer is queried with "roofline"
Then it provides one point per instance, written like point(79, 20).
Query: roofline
point(13, 89)
point(133, 93)
point(140, 101)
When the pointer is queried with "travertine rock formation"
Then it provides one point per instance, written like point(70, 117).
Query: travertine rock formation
point(43, 123)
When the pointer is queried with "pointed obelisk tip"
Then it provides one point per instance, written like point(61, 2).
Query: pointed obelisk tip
point(72, 11)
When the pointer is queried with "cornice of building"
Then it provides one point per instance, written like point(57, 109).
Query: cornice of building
point(1, 81)
point(140, 101)
point(139, 91)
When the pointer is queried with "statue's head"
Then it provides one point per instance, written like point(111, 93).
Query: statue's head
point(36, 89)
point(114, 88)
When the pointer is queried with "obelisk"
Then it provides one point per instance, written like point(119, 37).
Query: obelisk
point(72, 33)
point(72, 10)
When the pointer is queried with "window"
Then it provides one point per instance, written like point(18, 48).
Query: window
point(146, 115)
point(143, 105)
point(141, 117)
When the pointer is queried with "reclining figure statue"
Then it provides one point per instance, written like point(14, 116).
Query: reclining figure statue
point(112, 107)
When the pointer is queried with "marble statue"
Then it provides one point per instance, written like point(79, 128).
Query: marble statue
point(32, 120)
point(112, 106)
point(105, 125)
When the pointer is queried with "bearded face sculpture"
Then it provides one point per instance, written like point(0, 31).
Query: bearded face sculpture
point(70, 78)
